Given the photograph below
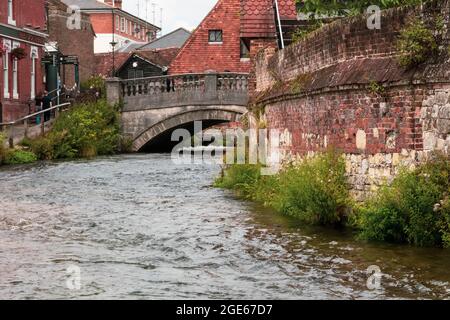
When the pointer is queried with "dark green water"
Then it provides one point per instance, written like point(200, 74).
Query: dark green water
point(140, 227)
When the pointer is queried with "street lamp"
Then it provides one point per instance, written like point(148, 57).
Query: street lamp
point(113, 45)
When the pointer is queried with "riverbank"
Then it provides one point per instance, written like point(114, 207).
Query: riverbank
point(414, 209)
point(85, 131)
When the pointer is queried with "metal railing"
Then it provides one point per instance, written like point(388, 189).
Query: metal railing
point(25, 122)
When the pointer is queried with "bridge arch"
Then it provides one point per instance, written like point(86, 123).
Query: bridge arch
point(209, 117)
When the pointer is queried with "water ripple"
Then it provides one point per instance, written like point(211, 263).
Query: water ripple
point(138, 226)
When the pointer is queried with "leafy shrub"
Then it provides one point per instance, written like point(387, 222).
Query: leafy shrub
point(19, 157)
point(85, 130)
point(410, 211)
point(445, 223)
point(315, 191)
point(241, 178)
point(95, 83)
point(416, 43)
point(42, 147)
point(349, 7)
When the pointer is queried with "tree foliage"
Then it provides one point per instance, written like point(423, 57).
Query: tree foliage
point(348, 7)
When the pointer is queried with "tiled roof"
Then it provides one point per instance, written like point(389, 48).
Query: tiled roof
point(87, 4)
point(258, 17)
point(104, 62)
point(176, 38)
point(288, 9)
point(162, 58)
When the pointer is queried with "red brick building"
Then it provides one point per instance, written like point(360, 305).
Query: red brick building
point(78, 42)
point(22, 38)
point(110, 23)
point(232, 32)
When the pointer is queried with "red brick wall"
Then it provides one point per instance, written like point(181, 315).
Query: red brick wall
point(83, 47)
point(30, 14)
point(198, 55)
point(335, 118)
point(103, 23)
point(16, 108)
point(343, 87)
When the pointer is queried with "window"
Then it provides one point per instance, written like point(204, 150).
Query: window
point(11, 12)
point(15, 79)
point(122, 24)
point(149, 36)
point(34, 56)
point(6, 75)
point(117, 23)
point(135, 74)
point(215, 36)
point(245, 49)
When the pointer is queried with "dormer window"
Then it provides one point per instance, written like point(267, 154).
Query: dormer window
point(11, 12)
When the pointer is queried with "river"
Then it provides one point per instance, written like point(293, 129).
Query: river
point(141, 227)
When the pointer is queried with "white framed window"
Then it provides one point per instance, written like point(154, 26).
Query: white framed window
point(117, 23)
point(15, 71)
point(6, 75)
point(215, 36)
point(122, 24)
point(34, 56)
point(11, 12)
point(7, 46)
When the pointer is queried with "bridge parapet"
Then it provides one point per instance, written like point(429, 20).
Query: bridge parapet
point(180, 90)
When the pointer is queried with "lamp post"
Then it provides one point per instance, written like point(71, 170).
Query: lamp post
point(113, 43)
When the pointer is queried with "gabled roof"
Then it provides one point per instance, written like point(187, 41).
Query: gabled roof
point(258, 17)
point(104, 62)
point(161, 58)
point(129, 47)
point(174, 39)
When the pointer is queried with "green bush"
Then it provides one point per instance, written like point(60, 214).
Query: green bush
point(96, 83)
point(85, 130)
point(19, 157)
point(416, 44)
point(414, 209)
point(244, 179)
point(349, 7)
point(315, 191)
point(445, 223)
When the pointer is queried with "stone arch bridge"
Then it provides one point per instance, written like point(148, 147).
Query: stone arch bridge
point(154, 107)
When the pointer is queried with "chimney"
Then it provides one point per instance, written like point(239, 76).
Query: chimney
point(114, 3)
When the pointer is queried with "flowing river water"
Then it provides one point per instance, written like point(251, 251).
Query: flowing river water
point(141, 227)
